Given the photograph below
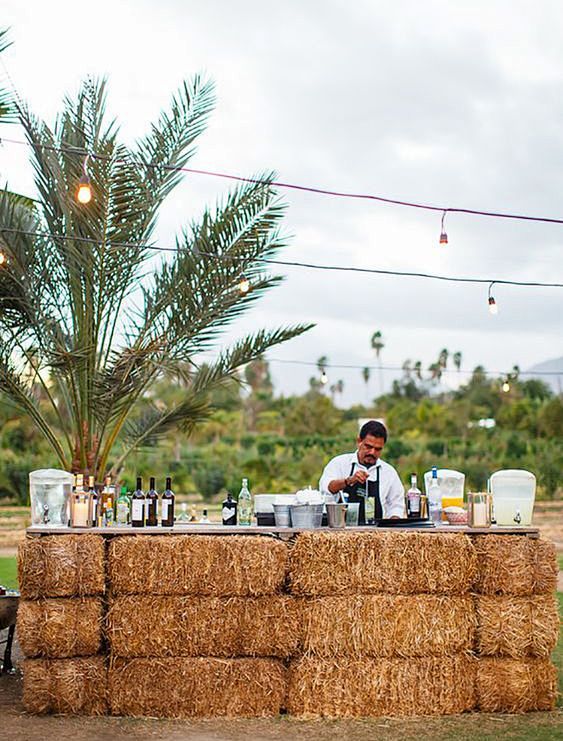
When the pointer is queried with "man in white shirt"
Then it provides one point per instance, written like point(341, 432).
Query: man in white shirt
point(365, 478)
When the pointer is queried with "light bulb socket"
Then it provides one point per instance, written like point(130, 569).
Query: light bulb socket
point(443, 238)
point(493, 306)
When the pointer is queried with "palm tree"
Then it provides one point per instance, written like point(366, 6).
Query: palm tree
point(377, 344)
point(457, 360)
point(443, 358)
point(435, 371)
point(366, 372)
point(90, 315)
point(407, 368)
point(418, 370)
point(7, 106)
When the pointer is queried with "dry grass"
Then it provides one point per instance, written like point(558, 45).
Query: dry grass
point(65, 686)
point(197, 687)
point(513, 564)
point(204, 626)
point(516, 627)
point(343, 687)
point(60, 628)
point(205, 565)
point(323, 564)
point(61, 566)
point(388, 625)
point(516, 686)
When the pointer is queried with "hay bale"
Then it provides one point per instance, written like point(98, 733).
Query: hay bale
point(149, 625)
point(546, 568)
point(206, 565)
point(197, 687)
point(347, 687)
point(61, 566)
point(515, 564)
point(516, 686)
point(323, 564)
point(60, 628)
point(65, 686)
point(517, 626)
point(385, 625)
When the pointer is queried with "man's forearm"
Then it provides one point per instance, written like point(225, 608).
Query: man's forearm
point(337, 485)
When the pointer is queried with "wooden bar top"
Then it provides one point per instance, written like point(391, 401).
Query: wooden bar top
point(216, 529)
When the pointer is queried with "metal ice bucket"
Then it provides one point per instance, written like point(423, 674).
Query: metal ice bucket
point(282, 516)
point(306, 515)
point(336, 514)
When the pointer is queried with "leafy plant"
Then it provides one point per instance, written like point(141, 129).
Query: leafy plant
point(87, 318)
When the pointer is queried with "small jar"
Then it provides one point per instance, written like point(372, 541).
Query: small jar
point(479, 509)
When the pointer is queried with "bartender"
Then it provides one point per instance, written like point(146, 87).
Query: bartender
point(364, 478)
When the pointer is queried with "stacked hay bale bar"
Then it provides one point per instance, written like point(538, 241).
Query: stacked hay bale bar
point(62, 582)
point(198, 626)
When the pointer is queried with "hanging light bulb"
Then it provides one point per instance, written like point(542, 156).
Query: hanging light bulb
point(324, 377)
point(3, 258)
point(443, 235)
point(243, 286)
point(493, 306)
point(506, 387)
point(84, 192)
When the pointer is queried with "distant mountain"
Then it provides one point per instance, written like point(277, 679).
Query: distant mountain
point(551, 366)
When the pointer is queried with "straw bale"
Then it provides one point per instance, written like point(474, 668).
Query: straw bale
point(517, 626)
point(346, 687)
point(546, 567)
point(204, 626)
point(323, 564)
point(385, 625)
point(65, 686)
point(197, 687)
point(206, 565)
point(516, 686)
point(505, 564)
point(60, 628)
point(61, 566)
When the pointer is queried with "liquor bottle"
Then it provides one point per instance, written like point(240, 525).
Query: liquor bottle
point(413, 498)
point(152, 504)
point(245, 505)
point(80, 504)
point(204, 518)
point(94, 502)
point(138, 505)
point(107, 500)
point(167, 505)
point(183, 515)
point(435, 498)
point(122, 509)
point(229, 510)
point(193, 513)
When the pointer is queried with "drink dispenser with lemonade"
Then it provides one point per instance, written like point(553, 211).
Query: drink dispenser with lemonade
point(50, 491)
point(451, 485)
point(513, 493)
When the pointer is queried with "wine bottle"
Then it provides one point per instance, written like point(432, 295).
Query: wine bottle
point(229, 510)
point(122, 509)
point(167, 505)
point(94, 502)
point(152, 504)
point(138, 505)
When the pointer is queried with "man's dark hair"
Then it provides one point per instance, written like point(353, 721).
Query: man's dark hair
point(373, 428)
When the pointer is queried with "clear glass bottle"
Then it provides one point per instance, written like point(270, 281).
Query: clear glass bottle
point(435, 498)
point(183, 516)
point(167, 505)
point(106, 503)
point(413, 498)
point(79, 510)
point(245, 505)
point(122, 510)
point(204, 518)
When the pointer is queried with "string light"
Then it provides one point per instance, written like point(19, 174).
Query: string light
point(3, 258)
point(84, 192)
point(493, 306)
point(324, 377)
point(243, 286)
point(443, 235)
point(506, 387)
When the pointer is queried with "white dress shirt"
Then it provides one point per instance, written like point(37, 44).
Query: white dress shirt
point(391, 490)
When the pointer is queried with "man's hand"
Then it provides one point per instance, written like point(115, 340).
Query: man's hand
point(360, 477)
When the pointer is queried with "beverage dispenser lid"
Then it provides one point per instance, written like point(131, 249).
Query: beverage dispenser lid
point(513, 473)
point(50, 476)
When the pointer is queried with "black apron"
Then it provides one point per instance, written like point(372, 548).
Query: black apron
point(372, 491)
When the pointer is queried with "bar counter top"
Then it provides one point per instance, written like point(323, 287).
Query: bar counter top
point(216, 529)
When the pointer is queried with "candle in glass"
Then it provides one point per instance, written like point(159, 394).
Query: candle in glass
point(479, 510)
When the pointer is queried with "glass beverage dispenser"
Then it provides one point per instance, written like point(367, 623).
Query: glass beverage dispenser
point(50, 492)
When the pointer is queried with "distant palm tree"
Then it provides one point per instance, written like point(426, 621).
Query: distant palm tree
point(443, 358)
point(418, 370)
point(457, 360)
point(88, 314)
point(366, 372)
point(435, 371)
point(377, 345)
point(407, 368)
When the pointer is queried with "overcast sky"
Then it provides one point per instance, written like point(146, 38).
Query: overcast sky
point(454, 104)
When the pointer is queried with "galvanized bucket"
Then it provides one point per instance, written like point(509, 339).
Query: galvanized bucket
point(306, 515)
